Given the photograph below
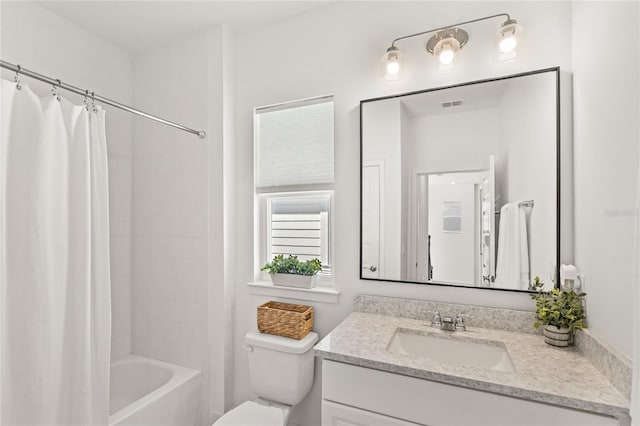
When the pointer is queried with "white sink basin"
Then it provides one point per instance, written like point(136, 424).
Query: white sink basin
point(452, 350)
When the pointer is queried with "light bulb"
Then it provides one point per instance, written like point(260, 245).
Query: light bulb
point(508, 43)
point(393, 67)
point(446, 49)
point(509, 40)
point(446, 56)
point(391, 59)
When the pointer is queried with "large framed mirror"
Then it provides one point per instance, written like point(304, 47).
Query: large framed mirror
point(460, 185)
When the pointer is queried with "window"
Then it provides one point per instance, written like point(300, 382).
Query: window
point(294, 179)
point(298, 224)
point(452, 216)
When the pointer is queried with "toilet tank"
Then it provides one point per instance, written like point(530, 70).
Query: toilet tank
point(281, 368)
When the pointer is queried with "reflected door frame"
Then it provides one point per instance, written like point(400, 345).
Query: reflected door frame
point(416, 221)
point(379, 272)
point(418, 224)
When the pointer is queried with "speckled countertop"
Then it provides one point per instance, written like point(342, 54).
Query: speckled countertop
point(559, 376)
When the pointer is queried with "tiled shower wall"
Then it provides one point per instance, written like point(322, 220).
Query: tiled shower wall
point(183, 189)
point(169, 208)
point(120, 177)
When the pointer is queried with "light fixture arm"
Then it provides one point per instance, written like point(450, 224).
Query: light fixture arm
point(393, 43)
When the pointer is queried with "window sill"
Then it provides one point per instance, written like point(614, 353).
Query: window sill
point(315, 294)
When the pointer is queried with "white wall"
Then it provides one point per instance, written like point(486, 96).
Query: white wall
point(408, 268)
point(383, 121)
point(453, 254)
point(169, 206)
point(455, 141)
point(606, 161)
point(529, 131)
point(183, 210)
point(41, 41)
point(325, 51)
point(221, 280)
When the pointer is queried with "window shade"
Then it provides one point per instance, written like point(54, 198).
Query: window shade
point(295, 144)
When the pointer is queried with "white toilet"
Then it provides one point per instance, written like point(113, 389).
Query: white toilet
point(281, 371)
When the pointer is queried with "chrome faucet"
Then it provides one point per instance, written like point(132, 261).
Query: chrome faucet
point(460, 325)
point(448, 323)
point(436, 321)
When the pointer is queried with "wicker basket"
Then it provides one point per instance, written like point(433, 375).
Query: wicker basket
point(285, 319)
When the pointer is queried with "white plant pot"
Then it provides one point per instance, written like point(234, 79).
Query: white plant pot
point(293, 280)
point(555, 336)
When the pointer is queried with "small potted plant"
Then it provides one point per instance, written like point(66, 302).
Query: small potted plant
point(291, 272)
point(560, 312)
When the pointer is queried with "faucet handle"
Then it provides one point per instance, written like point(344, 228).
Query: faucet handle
point(460, 325)
point(436, 321)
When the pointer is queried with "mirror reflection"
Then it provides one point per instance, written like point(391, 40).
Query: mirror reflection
point(459, 185)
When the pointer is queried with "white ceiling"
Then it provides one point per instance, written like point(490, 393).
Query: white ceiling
point(138, 25)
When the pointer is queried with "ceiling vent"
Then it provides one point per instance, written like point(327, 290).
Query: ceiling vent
point(451, 104)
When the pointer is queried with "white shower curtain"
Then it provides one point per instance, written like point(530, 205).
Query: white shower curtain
point(55, 303)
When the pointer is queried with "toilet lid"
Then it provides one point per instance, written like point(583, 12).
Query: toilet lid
point(252, 413)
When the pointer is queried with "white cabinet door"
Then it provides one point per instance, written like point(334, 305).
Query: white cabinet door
point(342, 415)
point(438, 404)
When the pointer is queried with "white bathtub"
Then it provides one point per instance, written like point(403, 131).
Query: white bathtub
point(145, 391)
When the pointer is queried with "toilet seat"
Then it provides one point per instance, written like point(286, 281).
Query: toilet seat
point(255, 413)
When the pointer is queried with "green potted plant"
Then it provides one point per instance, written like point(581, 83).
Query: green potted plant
point(560, 312)
point(291, 272)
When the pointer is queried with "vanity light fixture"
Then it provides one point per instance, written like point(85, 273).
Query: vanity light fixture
point(448, 41)
point(392, 60)
point(508, 37)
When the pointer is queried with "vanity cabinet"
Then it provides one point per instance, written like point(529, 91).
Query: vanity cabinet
point(354, 395)
point(343, 415)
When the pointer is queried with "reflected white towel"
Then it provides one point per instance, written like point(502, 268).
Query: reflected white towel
point(513, 248)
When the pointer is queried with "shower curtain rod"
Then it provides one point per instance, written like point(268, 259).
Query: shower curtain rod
point(58, 83)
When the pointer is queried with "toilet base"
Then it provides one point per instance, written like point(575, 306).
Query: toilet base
point(257, 412)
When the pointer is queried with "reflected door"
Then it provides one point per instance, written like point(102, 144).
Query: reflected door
point(371, 209)
point(488, 226)
point(423, 248)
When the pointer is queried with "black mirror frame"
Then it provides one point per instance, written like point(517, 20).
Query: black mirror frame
point(556, 70)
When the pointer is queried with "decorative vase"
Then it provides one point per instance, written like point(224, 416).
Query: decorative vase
point(293, 280)
point(555, 336)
